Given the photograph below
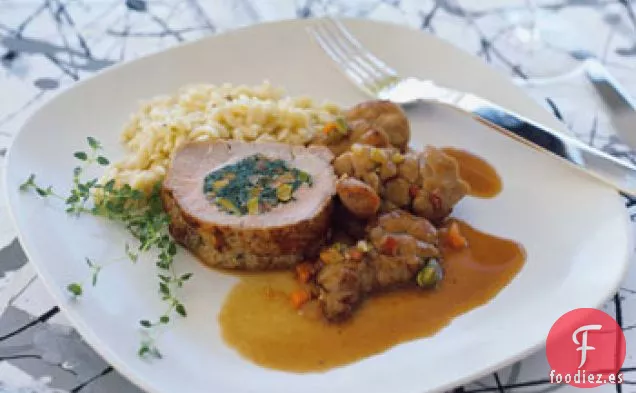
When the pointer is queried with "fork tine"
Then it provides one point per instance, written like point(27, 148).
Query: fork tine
point(337, 43)
point(373, 59)
point(359, 77)
point(352, 55)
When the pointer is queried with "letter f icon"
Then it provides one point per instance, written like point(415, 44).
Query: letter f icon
point(584, 347)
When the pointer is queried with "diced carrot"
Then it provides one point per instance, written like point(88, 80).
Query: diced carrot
point(455, 238)
point(329, 127)
point(300, 297)
point(355, 254)
point(413, 190)
point(390, 245)
point(304, 272)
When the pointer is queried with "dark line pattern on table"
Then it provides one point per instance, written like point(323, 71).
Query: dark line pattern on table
point(513, 374)
point(19, 44)
point(305, 11)
point(152, 34)
point(55, 15)
point(393, 3)
point(202, 15)
point(68, 71)
point(30, 18)
point(42, 318)
point(427, 19)
point(630, 11)
point(27, 104)
point(606, 46)
point(15, 357)
point(487, 44)
point(37, 46)
point(61, 10)
point(126, 31)
point(626, 52)
point(618, 308)
point(22, 290)
point(498, 382)
point(46, 83)
point(485, 49)
point(8, 57)
point(137, 5)
point(37, 357)
point(616, 148)
point(594, 130)
point(249, 10)
point(166, 29)
point(510, 386)
point(555, 108)
point(81, 386)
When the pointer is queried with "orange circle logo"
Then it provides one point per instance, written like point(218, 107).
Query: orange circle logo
point(585, 349)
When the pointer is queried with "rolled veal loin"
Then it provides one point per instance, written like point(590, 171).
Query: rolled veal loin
point(252, 206)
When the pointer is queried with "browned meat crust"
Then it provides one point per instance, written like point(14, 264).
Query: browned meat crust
point(250, 249)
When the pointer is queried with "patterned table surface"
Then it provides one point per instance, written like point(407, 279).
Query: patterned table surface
point(46, 44)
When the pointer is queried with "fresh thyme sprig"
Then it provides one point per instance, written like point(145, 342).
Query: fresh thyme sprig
point(77, 289)
point(143, 216)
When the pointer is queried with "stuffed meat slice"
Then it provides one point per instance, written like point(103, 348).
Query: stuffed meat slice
point(252, 206)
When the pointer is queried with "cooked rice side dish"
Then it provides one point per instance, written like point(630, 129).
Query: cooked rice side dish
point(262, 113)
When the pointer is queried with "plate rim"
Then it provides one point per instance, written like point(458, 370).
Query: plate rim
point(112, 357)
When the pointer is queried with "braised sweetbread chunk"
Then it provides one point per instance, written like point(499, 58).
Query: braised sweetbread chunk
point(341, 135)
point(358, 197)
point(373, 123)
point(399, 245)
point(426, 183)
point(441, 187)
point(386, 116)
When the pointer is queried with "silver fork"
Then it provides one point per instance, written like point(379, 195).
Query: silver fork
point(377, 79)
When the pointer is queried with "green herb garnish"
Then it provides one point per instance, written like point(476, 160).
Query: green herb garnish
point(142, 214)
point(254, 185)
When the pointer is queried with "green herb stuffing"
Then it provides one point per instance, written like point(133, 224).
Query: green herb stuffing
point(254, 185)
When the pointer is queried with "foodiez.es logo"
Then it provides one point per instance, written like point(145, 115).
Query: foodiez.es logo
point(585, 349)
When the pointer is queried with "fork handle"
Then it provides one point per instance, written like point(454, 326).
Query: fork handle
point(605, 167)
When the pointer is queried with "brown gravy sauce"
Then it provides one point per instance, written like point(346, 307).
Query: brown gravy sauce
point(480, 175)
point(259, 321)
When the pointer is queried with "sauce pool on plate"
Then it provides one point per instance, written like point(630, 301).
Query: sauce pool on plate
point(478, 173)
point(260, 323)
